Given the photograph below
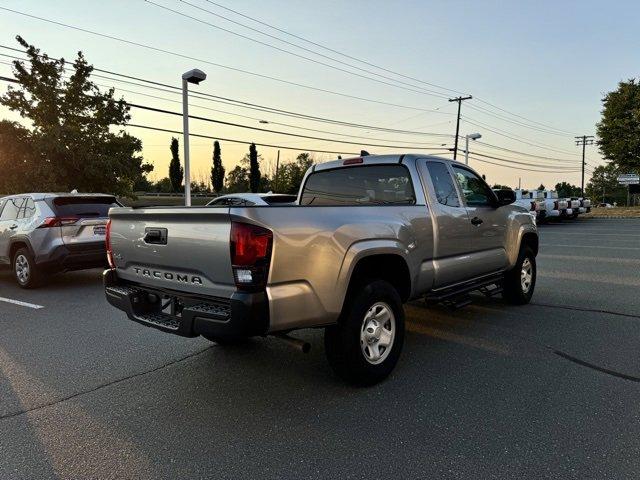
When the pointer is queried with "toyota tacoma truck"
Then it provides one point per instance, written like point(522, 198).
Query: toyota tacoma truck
point(365, 236)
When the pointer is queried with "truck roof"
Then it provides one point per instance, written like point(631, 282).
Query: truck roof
point(42, 196)
point(376, 159)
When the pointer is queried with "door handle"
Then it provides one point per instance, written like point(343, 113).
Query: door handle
point(476, 221)
point(13, 227)
point(155, 236)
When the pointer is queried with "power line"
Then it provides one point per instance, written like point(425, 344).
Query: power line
point(559, 168)
point(520, 168)
point(519, 139)
point(219, 65)
point(358, 74)
point(245, 142)
point(523, 153)
point(154, 85)
point(324, 47)
point(517, 122)
point(368, 63)
point(278, 132)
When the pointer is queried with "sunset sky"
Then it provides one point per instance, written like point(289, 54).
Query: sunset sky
point(537, 71)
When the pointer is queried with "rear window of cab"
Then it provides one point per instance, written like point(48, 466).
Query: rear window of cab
point(362, 185)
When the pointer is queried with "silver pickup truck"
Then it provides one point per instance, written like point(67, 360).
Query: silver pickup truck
point(365, 235)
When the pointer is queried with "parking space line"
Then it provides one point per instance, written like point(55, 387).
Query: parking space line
point(588, 246)
point(22, 304)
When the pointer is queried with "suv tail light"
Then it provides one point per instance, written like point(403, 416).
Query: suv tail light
point(107, 241)
point(250, 255)
point(533, 206)
point(58, 221)
point(556, 205)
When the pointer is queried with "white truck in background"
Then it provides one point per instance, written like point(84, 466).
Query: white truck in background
point(555, 207)
point(532, 201)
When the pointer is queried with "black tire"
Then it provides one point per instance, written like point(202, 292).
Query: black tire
point(343, 341)
point(515, 291)
point(227, 341)
point(25, 270)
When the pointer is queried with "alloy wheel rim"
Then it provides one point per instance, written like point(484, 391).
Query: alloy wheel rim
point(22, 269)
point(526, 275)
point(377, 333)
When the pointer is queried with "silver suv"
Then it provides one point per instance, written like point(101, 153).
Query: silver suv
point(44, 233)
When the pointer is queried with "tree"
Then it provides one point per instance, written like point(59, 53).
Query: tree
point(604, 186)
point(542, 187)
point(176, 172)
point(238, 180)
point(254, 169)
point(497, 186)
point(619, 128)
point(217, 171)
point(163, 185)
point(70, 142)
point(566, 190)
point(290, 175)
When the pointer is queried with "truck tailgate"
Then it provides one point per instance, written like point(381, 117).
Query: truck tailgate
point(176, 248)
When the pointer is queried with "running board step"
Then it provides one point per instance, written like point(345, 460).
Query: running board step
point(489, 285)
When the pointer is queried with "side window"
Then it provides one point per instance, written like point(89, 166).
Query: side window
point(476, 192)
point(443, 184)
point(11, 209)
point(28, 209)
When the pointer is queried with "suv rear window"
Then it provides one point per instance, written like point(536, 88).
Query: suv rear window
point(366, 185)
point(84, 206)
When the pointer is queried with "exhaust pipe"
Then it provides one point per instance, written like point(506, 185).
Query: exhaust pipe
point(296, 343)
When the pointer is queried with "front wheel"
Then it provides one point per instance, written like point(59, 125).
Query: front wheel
point(365, 345)
point(520, 281)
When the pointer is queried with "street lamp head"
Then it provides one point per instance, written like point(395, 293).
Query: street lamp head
point(474, 136)
point(194, 76)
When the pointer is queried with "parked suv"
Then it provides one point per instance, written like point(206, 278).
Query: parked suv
point(43, 233)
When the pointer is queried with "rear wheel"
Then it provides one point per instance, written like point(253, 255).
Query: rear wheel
point(520, 281)
point(25, 269)
point(365, 345)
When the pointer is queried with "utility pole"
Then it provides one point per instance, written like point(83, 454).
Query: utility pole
point(459, 100)
point(583, 140)
point(277, 167)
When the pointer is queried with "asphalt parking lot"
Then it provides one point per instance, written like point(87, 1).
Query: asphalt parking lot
point(547, 390)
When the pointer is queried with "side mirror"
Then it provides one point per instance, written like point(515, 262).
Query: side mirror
point(505, 197)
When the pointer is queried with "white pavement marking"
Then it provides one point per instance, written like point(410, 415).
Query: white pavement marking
point(22, 304)
point(588, 246)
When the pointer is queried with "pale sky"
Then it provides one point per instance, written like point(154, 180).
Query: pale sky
point(547, 61)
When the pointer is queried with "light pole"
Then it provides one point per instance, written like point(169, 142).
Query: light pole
point(194, 76)
point(472, 136)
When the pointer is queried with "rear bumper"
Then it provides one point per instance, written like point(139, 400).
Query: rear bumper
point(74, 257)
point(243, 315)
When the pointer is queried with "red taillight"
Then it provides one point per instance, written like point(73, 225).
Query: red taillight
point(352, 161)
point(107, 241)
point(556, 205)
point(250, 254)
point(58, 222)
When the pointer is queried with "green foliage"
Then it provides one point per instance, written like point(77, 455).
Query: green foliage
point(290, 175)
point(176, 172)
point(497, 186)
point(604, 187)
point(566, 190)
point(238, 180)
point(619, 128)
point(163, 186)
point(69, 143)
point(542, 187)
point(217, 171)
point(254, 169)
